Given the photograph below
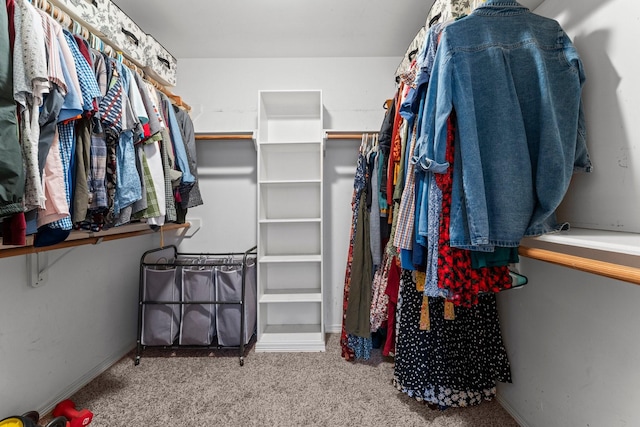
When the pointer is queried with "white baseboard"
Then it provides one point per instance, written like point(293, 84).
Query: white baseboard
point(507, 407)
point(333, 329)
point(73, 388)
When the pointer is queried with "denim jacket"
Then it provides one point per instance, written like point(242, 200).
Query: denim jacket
point(514, 80)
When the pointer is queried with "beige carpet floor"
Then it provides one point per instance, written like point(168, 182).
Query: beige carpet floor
point(184, 388)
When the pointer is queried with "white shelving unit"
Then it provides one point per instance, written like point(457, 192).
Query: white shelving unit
point(290, 145)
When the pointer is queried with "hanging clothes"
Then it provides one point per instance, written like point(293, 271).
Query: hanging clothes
point(452, 129)
point(31, 83)
point(373, 203)
point(457, 362)
point(497, 202)
point(129, 187)
point(11, 172)
point(357, 316)
point(392, 290)
point(190, 196)
point(380, 299)
point(356, 347)
point(89, 91)
point(81, 115)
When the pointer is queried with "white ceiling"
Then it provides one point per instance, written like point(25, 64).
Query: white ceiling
point(282, 28)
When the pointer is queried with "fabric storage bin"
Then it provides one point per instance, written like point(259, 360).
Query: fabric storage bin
point(159, 63)
point(160, 322)
point(229, 289)
point(126, 35)
point(94, 13)
point(198, 320)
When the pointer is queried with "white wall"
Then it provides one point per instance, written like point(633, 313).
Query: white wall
point(573, 341)
point(572, 337)
point(224, 97)
point(223, 93)
point(604, 33)
point(57, 337)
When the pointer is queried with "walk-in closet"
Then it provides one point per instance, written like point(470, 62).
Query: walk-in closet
point(419, 212)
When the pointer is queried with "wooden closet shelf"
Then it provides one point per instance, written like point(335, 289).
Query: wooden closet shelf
point(79, 238)
point(607, 269)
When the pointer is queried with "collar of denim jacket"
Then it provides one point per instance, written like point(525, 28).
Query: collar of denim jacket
point(500, 7)
point(500, 3)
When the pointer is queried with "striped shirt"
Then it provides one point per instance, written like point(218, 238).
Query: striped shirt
point(51, 28)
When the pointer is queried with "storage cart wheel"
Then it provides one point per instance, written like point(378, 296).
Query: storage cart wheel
point(242, 361)
point(137, 361)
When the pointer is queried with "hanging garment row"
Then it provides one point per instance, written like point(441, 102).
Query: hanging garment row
point(475, 152)
point(89, 143)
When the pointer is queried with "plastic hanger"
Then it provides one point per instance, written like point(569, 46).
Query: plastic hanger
point(435, 19)
point(517, 279)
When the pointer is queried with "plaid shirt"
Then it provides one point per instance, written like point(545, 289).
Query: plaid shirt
point(97, 189)
point(153, 208)
point(171, 213)
point(406, 215)
point(86, 77)
point(67, 141)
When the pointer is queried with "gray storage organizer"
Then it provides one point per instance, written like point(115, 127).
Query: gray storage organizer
point(195, 300)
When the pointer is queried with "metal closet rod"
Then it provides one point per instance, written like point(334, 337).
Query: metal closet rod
point(347, 134)
point(613, 271)
point(217, 136)
point(212, 136)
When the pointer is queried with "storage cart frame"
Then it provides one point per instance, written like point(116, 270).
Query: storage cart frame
point(174, 259)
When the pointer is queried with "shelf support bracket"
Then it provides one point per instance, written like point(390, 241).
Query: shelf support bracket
point(38, 266)
point(37, 276)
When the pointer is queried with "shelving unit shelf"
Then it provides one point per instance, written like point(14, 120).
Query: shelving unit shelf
point(290, 145)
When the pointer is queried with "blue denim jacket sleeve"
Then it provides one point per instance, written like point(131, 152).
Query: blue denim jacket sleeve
point(582, 161)
point(178, 146)
point(429, 154)
point(423, 154)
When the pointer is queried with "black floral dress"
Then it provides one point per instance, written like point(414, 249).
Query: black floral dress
point(457, 362)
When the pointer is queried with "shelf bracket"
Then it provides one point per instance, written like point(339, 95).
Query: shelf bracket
point(37, 276)
point(196, 223)
point(38, 266)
